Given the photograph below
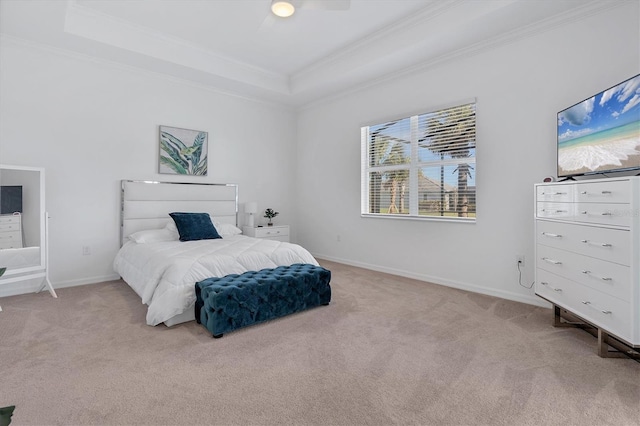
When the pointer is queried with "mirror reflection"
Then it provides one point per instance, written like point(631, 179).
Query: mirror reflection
point(21, 218)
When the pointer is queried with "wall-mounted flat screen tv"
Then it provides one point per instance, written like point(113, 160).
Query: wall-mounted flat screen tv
point(602, 133)
point(10, 199)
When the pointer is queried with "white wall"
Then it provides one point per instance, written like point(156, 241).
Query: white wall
point(90, 124)
point(519, 88)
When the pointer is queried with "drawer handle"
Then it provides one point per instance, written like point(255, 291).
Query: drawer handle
point(554, 211)
point(602, 278)
point(555, 262)
point(583, 212)
point(554, 193)
point(603, 192)
point(548, 234)
point(596, 244)
point(607, 214)
point(606, 312)
point(559, 290)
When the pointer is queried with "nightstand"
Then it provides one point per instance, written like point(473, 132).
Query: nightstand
point(278, 233)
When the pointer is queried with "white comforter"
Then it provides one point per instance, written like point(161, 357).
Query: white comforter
point(164, 274)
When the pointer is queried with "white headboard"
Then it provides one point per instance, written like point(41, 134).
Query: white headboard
point(147, 204)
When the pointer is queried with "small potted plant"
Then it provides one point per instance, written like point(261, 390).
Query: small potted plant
point(270, 214)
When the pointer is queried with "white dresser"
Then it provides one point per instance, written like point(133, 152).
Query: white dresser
point(10, 231)
point(276, 232)
point(588, 252)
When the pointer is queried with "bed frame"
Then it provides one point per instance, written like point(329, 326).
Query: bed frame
point(147, 204)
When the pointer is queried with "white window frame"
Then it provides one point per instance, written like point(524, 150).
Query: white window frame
point(413, 166)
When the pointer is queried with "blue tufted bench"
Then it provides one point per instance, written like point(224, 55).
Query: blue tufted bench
point(234, 301)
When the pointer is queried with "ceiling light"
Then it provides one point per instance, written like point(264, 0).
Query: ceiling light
point(282, 8)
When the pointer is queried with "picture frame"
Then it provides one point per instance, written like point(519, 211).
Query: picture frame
point(183, 151)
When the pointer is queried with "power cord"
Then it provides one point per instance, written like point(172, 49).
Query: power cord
point(520, 278)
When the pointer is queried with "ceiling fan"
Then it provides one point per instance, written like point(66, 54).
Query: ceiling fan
point(285, 8)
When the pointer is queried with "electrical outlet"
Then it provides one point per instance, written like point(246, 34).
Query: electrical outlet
point(86, 250)
point(520, 259)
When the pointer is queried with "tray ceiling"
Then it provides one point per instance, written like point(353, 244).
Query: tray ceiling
point(236, 46)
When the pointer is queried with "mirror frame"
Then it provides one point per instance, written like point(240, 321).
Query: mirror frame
point(41, 220)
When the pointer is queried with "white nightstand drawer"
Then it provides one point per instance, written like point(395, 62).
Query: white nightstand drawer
point(272, 231)
point(278, 233)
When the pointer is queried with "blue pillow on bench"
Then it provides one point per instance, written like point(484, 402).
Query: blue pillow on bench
point(194, 226)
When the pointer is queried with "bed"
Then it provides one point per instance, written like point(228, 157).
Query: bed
point(162, 270)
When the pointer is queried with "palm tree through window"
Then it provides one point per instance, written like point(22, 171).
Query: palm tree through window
point(421, 166)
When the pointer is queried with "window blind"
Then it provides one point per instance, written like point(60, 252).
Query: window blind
point(421, 166)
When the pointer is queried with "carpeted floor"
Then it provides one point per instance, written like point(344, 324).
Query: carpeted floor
point(388, 350)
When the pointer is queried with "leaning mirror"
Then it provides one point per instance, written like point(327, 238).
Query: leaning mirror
point(22, 225)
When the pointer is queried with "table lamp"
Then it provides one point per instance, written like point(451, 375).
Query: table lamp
point(251, 208)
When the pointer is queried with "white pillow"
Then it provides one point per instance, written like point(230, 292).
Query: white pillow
point(171, 226)
point(226, 229)
point(154, 236)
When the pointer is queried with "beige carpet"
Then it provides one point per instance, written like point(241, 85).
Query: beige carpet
point(388, 350)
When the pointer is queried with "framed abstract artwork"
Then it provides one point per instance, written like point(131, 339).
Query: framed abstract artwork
point(183, 151)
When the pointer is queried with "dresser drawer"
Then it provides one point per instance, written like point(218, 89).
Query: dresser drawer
point(9, 226)
point(9, 219)
point(604, 311)
point(558, 193)
point(613, 245)
point(604, 192)
point(604, 213)
point(609, 278)
point(11, 239)
point(551, 210)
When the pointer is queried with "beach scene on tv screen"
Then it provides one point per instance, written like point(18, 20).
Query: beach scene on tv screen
point(601, 133)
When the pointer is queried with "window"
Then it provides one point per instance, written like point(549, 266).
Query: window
point(421, 166)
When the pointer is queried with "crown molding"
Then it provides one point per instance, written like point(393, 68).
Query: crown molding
point(426, 14)
point(319, 91)
point(57, 51)
point(97, 26)
point(588, 9)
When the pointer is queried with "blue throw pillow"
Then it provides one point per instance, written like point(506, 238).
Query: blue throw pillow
point(194, 226)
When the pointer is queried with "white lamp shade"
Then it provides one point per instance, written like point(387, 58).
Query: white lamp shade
point(251, 207)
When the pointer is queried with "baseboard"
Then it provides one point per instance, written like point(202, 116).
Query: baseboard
point(30, 286)
point(530, 300)
point(27, 287)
